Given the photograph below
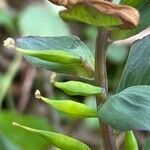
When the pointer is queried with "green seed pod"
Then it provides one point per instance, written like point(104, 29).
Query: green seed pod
point(64, 54)
point(57, 56)
point(78, 88)
point(130, 141)
point(71, 108)
point(59, 140)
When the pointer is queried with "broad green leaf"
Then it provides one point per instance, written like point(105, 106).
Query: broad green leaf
point(130, 141)
point(59, 140)
point(71, 108)
point(134, 3)
point(128, 110)
point(78, 88)
point(137, 68)
point(45, 23)
point(25, 141)
point(6, 80)
point(118, 34)
point(146, 145)
point(89, 15)
point(65, 54)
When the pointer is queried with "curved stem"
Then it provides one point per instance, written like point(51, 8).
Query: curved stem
point(106, 132)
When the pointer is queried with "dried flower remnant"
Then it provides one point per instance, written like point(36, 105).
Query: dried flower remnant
point(128, 15)
point(38, 94)
point(9, 43)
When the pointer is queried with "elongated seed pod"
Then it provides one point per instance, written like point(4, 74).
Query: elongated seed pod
point(78, 88)
point(130, 141)
point(59, 140)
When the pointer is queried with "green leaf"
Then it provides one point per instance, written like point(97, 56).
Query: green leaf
point(59, 140)
point(71, 108)
point(118, 34)
point(78, 88)
point(25, 141)
point(89, 15)
point(128, 110)
point(130, 141)
point(65, 54)
point(146, 145)
point(137, 68)
point(44, 17)
point(8, 77)
point(134, 3)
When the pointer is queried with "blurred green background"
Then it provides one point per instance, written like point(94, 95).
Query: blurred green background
point(19, 80)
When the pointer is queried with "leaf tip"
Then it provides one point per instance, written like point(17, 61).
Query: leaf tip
point(9, 43)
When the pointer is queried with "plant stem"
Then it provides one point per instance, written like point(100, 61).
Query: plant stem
point(106, 132)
